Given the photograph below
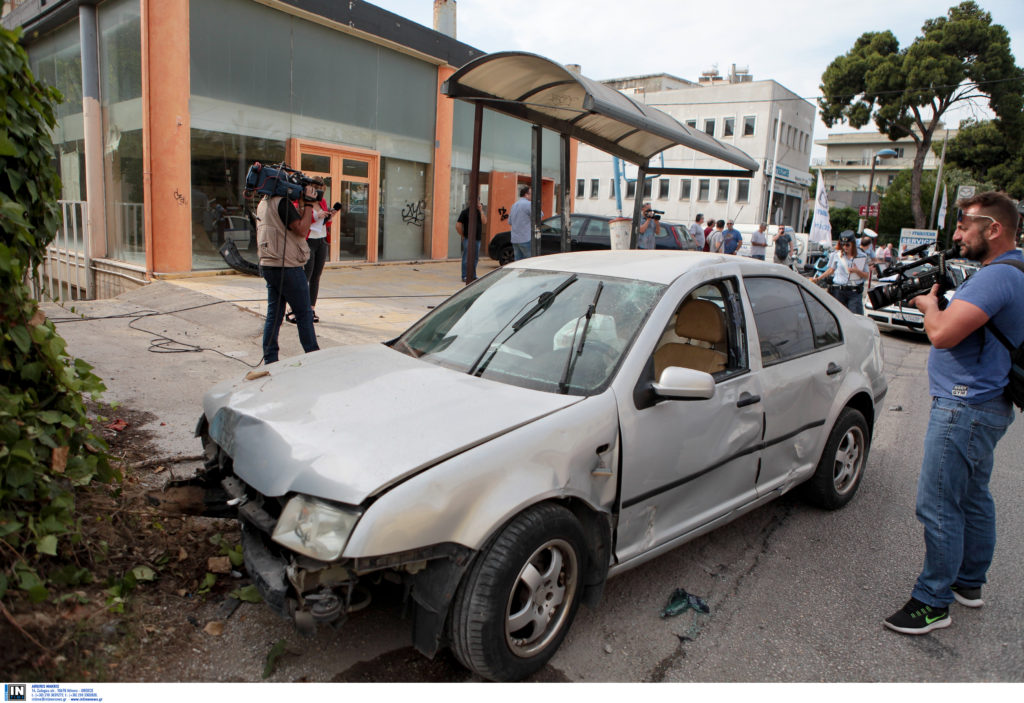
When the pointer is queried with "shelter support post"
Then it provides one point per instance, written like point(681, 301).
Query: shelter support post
point(638, 203)
point(472, 235)
point(535, 189)
point(563, 197)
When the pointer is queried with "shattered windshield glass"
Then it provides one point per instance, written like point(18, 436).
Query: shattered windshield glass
point(520, 326)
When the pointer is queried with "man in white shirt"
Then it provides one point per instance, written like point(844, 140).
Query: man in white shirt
point(697, 231)
point(758, 242)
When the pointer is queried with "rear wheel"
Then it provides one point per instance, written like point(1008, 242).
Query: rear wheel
point(515, 606)
point(506, 255)
point(842, 463)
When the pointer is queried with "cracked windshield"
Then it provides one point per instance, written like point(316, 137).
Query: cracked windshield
point(546, 330)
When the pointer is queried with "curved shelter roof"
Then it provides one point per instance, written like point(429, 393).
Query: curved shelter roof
point(541, 91)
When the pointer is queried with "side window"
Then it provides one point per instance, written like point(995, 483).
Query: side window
point(781, 318)
point(706, 333)
point(599, 228)
point(823, 323)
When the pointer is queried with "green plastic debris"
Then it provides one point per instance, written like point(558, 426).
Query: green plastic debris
point(680, 601)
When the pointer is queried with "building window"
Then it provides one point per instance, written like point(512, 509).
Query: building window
point(580, 186)
point(899, 152)
point(630, 189)
point(663, 189)
point(691, 123)
point(704, 189)
point(648, 185)
point(684, 188)
point(611, 188)
point(748, 125)
point(743, 190)
point(728, 126)
point(594, 187)
point(723, 190)
point(891, 179)
point(709, 126)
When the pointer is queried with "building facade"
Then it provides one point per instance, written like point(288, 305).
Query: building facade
point(847, 165)
point(169, 102)
point(738, 111)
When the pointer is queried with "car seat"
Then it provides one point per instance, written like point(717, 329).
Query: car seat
point(701, 324)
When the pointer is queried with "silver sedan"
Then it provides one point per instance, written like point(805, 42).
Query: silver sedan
point(561, 420)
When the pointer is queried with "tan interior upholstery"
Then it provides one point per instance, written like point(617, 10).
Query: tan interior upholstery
point(702, 326)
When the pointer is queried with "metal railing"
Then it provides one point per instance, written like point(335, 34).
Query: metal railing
point(63, 274)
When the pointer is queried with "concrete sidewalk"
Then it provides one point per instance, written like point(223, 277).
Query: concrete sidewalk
point(159, 348)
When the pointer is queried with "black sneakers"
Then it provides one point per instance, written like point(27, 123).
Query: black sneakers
point(916, 618)
point(971, 597)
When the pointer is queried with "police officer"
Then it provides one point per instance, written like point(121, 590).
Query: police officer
point(848, 271)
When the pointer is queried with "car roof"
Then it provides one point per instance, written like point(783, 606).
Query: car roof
point(656, 266)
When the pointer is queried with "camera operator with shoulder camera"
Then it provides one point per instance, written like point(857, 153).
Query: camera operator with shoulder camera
point(649, 228)
point(968, 369)
point(281, 229)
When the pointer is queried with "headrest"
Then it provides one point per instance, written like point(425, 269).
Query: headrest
point(700, 320)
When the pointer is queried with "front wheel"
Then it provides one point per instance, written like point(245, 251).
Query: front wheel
point(515, 605)
point(841, 467)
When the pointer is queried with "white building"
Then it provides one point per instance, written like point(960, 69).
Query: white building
point(736, 110)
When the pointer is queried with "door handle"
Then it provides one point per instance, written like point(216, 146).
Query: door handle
point(833, 368)
point(747, 399)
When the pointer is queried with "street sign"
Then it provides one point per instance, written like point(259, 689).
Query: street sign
point(964, 192)
point(865, 213)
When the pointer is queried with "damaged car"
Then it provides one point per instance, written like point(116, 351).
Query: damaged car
point(559, 421)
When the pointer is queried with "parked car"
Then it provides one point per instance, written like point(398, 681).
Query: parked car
point(561, 420)
point(238, 229)
point(587, 233)
point(904, 315)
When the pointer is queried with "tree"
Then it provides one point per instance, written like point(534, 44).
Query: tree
point(960, 58)
point(842, 218)
point(47, 446)
point(984, 152)
point(896, 207)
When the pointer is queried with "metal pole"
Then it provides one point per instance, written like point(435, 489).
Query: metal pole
point(933, 215)
point(535, 175)
point(871, 189)
point(566, 193)
point(472, 236)
point(638, 203)
point(775, 160)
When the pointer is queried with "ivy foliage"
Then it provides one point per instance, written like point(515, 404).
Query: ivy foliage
point(47, 446)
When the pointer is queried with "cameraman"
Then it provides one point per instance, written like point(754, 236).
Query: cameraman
point(968, 369)
point(648, 229)
point(281, 229)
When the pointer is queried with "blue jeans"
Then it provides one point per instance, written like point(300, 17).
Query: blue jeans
point(953, 500)
point(286, 285)
point(521, 250)
point(318, 250)
point(465, 256)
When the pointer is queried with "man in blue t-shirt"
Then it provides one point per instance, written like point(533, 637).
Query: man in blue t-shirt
point(732, 240)
point(968, 368)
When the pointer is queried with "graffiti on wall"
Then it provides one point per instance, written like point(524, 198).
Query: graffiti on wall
point(414, 213)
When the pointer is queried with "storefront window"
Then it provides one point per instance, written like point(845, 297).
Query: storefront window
point(220, 162)
point(403, 211)
point(120, 62)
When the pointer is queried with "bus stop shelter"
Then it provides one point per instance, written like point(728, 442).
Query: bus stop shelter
point(547, 94)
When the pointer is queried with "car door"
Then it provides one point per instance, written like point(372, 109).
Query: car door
point(596, 235)
point(686, 463)
point(551, 233)
point(803, 363)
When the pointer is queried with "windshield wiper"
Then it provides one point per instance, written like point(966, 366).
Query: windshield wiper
point(544, 301)
point(575, 352)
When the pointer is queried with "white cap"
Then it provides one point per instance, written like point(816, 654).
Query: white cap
point(871, 233)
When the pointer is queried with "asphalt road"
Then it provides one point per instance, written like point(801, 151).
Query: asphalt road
point(796, 594)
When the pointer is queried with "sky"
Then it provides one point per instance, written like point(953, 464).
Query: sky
point(791, 42)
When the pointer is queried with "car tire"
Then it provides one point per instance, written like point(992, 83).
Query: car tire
point(841, 466)
point(518, 600)
point(506, 255)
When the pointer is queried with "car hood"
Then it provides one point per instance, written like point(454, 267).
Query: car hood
point(346, 423)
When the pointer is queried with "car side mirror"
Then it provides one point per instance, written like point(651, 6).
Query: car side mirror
point(677, 382)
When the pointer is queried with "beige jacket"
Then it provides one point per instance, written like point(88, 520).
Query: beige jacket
point(278, 245)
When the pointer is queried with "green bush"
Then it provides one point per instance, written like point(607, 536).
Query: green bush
point(47, 446)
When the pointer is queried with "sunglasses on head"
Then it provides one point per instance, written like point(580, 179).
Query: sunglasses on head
point(961, 215)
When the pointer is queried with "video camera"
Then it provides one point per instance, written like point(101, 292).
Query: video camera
point(654, 214)
point(281, 180)
point(909, 285)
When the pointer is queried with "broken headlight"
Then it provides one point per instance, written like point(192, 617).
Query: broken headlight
point(314, 528)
